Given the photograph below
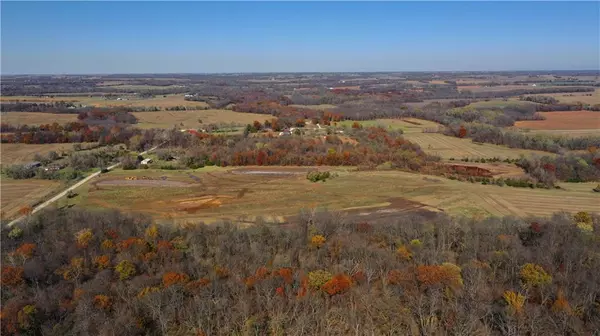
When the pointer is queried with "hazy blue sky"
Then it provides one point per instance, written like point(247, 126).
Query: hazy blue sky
point(134, 37)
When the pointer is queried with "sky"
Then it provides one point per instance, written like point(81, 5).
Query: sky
point(208, 37)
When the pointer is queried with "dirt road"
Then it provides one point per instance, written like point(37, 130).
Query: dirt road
point(71, 188)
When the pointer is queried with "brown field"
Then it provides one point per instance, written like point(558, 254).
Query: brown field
point(278, 194)
point(189, 119)
point(23, 153)
point(571, 120)
point(36, 118)
point(19, 193)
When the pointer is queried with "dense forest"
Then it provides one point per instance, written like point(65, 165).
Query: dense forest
point(106, 273)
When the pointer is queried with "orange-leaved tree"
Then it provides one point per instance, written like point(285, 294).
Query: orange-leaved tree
point(337, 285)
point(172, 278)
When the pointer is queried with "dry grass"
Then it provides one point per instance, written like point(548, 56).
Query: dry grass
point(158, 101)
point(36, 118)
point(219, 194)
point(591, 98)
point(452, 147)
point(22, 153)
point(190, 119)
point(568, 120)
point(479, 88)
point(316, 107)
point(19, 193)
point(407, 125)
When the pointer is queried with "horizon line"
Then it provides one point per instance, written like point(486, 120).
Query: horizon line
point(291, 72)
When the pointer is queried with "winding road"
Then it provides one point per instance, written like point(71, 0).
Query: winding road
point(73, 187)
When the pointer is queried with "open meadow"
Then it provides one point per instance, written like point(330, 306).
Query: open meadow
point(406, 125)
point(37, 118)
point(23, 153)
point(16, 194)
point(162, 101)
point(277, 194)
point(451, 147)
point(191, 119)
point(591, 98)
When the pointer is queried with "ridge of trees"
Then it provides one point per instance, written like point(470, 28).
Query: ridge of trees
point(70, 271)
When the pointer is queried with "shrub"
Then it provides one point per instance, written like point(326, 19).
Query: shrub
point(582, 217)
point(25, 250)
point(318, 278)
point(446, 274)
point(561, 305)
point(172, 278)
point(337, 285)
point(15, 233)
point(316, 176)
point(416, 243)
point(102, 302)
point(102, 261)
point(83, 238)
point(11, 276)
point(147, 290)
point(515, 301)
point(403, 253)
point(534, 275)
point(126, 269)
point(317, 241)
point(286, 274)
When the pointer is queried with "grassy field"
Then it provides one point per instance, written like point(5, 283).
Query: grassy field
point(568, 120)
point(499, 103)
point(190, 119)
point(36, 118)
point(316, 107)
point(452, 147)
point(583, 97)
point(19, 193)
point(219, 193)
point(407, 125)
point(133, 101)
point(22, 153)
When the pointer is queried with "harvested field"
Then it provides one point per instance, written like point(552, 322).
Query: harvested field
point(221, 194)
point(142, 183)
point(23, 153)
point(190, 119)
point(16, 194)
point(568, 120)
point(36, 118)
point(452, 147)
